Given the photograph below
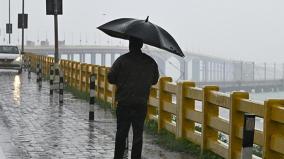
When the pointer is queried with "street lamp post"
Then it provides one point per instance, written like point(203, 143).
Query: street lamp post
point(9, 20)
point(54, 7)
point(56, 33)
point(9, 25)
point(23, 23)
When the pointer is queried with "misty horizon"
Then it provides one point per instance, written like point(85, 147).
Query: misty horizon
point(242, 30)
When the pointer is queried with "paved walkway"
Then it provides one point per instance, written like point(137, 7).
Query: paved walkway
point(33, 125)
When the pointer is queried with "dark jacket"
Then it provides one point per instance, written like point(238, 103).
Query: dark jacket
point(133, 74)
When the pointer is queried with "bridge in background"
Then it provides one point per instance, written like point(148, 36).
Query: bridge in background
point(205, 70)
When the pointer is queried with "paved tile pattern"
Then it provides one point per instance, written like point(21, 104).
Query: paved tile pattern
point(33, 125)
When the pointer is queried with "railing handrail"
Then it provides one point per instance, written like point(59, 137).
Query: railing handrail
point(180, 116)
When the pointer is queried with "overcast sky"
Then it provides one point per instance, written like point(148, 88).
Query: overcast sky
point(237, 29)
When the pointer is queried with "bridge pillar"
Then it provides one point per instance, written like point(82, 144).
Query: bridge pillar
point(195, 70)
point(93, 58)
point(82, 57)
point(68, 56)
point(72, 57)
point(103, 59)
point(183, 69)
point(224, 71)
point(205, 70)
point(186, 69)
point(112, 58)
point(220, 71)
point(237, 71)
point(215, 71)
point(242, 71)
point(210, 71)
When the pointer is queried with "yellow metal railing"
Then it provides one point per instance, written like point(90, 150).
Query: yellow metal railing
point(173, 107)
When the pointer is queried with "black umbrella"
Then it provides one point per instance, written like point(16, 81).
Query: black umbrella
point(150, 33)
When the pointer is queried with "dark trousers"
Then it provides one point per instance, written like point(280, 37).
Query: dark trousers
point(129, 115)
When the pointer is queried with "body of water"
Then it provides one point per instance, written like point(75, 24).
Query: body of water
point(260, 97)
point(267, 95)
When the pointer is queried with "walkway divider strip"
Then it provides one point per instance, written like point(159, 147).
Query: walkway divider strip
point(92, 97)
point(29, 68)
point(51, 77)
point(248, 136)
point(37, 72)
point(56, 77)
point(40, 76)
point(61, 88)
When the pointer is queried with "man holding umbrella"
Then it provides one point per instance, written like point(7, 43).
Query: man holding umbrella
point(134, 73)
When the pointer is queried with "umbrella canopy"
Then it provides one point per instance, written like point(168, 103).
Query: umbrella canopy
point(150, 33)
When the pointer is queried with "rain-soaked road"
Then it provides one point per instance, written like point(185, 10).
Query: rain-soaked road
point(33, 125)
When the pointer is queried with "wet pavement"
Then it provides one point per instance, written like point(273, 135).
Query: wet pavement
point(33, 125)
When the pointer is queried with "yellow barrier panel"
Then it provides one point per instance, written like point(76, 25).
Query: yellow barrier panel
point(274, 129)
point(70, 73)
point(164, 97)
point(83, 74)
point(185, 128)
point(101, 83)
point(108, 87)
point(153, 104)
point(97, 83)
point(210, 114)
point(90, 70)
point(236, 122)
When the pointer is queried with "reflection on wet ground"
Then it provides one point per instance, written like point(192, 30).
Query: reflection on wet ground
point(33, 125)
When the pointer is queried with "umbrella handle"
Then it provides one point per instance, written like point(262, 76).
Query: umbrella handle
point(147, 19)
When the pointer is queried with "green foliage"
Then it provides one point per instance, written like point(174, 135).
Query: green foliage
point(257, 150)
point(168, 140)
point(105, 105)
point(198, 128)
point(86, 96)
point(210, 155)
point(45, 77)
point(151, 127)
point(223, 138)
point(78, 94)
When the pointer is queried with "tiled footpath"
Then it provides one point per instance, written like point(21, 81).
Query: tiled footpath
point(33, 125)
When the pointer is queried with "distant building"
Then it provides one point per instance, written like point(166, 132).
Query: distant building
point(44, 43)
point(30, 43)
